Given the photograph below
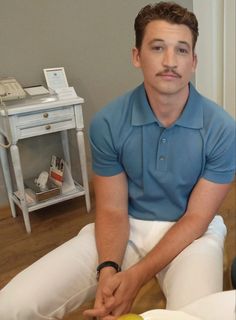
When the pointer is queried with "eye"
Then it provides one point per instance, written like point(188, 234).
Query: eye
point(182, 50)
point(157, 48)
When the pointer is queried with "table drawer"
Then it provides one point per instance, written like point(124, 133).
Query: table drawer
point(50, 127)
point(43, 117)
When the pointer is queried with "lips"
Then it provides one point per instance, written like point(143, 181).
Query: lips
point(169, 75)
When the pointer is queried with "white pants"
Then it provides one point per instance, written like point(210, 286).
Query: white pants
point(66, 277)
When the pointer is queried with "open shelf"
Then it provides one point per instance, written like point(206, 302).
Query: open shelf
point(77, 192)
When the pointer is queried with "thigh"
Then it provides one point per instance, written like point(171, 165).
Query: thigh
point(198, 270)
point(55, 284)
point(217, 306)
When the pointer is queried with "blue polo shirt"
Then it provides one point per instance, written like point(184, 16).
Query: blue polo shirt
point(162, 165)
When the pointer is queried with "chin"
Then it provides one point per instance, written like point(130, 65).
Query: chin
point(170, 89)
point(166, 91)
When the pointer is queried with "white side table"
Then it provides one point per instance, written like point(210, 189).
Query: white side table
point(40, 116)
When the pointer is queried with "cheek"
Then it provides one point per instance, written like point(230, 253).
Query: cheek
point(188, 69)
point(150, 65)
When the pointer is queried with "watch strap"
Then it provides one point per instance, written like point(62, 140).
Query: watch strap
point(107, 264)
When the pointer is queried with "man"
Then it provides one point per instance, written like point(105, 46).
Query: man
point(163, 160)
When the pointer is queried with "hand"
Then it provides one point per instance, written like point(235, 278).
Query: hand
point(121, 291)
point(115, 295)
point(99, 310)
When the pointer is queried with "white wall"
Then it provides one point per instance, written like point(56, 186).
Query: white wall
point(229, 99)
point(215, 75)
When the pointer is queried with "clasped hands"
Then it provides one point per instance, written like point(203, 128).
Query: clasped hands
point(115, 295)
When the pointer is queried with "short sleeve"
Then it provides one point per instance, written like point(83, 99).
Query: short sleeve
point(105, 159)
point(221, 158)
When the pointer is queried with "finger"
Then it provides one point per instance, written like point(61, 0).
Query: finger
point(109, 303)
point(96, 312)
point(123, 308)
point(109, 317)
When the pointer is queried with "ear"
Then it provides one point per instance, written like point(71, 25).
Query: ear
point(136, 57)
point(195, 61)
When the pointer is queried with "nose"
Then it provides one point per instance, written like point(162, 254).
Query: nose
point(169, 59)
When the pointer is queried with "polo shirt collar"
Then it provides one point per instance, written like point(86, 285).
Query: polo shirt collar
point(142, 113)
point(192, 116)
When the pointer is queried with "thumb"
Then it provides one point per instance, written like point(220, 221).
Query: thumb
point(111, 286)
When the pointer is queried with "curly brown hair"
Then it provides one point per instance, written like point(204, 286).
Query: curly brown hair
point(168, 11)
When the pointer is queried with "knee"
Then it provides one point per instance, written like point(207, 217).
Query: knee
point(17, 306)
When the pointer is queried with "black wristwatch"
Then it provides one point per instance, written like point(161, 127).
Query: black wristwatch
point(107, 264)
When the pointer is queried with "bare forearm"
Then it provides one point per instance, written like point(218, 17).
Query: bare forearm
point(112, 224)
point(112, 233)
point(182, 234)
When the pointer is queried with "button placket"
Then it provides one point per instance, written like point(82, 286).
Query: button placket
point(162, 152)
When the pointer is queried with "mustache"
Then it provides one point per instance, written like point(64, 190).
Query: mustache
point(167, 71)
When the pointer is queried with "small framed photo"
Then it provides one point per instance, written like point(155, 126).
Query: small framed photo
point(55, 78)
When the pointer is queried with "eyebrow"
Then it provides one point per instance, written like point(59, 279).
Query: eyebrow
point(185, 43)
point(156, 40)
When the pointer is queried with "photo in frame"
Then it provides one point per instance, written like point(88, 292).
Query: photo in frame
point(55, 78)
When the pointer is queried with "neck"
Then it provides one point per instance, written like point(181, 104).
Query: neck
point(168, 107)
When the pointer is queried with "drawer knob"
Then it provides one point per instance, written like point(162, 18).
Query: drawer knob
point(45, 115)
point(48, 127)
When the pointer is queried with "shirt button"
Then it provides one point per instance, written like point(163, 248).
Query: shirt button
point(163, 140)
point(161, 158)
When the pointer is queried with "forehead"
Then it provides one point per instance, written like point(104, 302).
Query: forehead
point(168, 32)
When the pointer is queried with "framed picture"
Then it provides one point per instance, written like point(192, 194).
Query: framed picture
point(55, 78)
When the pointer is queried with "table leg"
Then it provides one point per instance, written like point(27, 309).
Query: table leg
point(83, 164)
point(7, 176)
point(20, 185)
point(65, 145)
